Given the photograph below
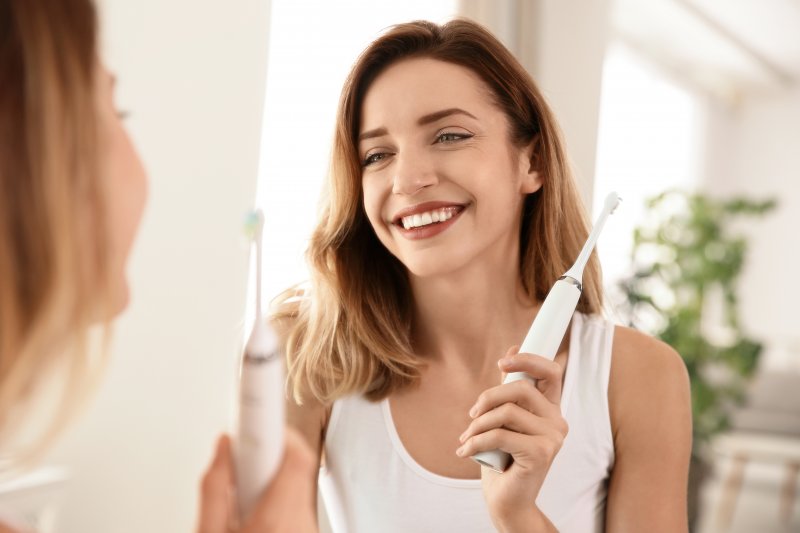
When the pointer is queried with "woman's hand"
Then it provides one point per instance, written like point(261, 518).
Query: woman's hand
point(288, 504)
point(525, 421)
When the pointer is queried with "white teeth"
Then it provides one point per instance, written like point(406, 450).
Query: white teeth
point(429, 217)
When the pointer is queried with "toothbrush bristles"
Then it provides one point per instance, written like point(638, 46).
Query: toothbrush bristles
point(252, 224)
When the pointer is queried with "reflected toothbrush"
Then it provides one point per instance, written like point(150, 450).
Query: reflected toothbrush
point(258, 444)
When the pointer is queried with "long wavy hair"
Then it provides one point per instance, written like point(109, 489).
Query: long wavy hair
point(53, 226)
point(350, 332)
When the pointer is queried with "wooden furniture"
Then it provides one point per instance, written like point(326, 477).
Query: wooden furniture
point(744, 448)
point(766, 430)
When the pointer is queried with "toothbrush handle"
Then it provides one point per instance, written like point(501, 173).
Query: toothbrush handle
point(259, 435)
point(543, 338)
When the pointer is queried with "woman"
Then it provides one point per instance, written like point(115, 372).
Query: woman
point(72, 192)
point(450, 213)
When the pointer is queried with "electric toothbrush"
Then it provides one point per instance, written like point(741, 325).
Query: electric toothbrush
point(258, 444)
point(551, 322)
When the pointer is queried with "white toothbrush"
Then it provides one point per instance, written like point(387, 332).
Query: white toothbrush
point(550, 324)
point(258, 444)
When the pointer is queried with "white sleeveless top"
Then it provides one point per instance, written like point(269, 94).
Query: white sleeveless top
point(371, 484)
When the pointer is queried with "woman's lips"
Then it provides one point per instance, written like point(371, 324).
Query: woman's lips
point(424, 207)
point(430, 230)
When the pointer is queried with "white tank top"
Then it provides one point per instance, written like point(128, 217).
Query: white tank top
point(371, 484)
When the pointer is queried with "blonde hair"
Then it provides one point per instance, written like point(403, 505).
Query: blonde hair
point(53, 226)
point(351, 331)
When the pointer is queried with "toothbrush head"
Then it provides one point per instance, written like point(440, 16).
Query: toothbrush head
point(253, 224)
point(612, 202)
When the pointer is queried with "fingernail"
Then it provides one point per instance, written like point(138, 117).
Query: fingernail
point(505, 361)
point(472, 412)
point(462, 437)
point(460, 452)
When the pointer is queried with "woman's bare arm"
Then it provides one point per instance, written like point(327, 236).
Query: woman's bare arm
point(651, 420)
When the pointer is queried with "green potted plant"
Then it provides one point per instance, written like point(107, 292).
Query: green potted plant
point(685, 257)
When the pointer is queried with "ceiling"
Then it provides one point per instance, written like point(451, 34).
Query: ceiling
point(728, 47)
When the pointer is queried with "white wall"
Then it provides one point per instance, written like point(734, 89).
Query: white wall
point(192, 74)
point(753, 151)
point(573, 40)
point(562, 43)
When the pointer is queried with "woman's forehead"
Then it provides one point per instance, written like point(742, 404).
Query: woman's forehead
point(421, 86)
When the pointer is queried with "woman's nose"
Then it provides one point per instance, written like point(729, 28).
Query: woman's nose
point(412, 174)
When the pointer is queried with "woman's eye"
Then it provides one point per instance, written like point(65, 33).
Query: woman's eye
point(451, 137)
point(374, 158)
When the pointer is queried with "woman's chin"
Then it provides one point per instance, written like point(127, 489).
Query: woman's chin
point(437, 260)
point(430, 268)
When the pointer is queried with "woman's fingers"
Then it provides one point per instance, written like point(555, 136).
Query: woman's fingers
point(515, 430)
point(528, 451)
point(511, 351)
point(522, 393)
point(288, 502)
point(215, 490)
point(298, 453)
point(286, 505)
point(508, 416)
point(521, 418)
point(548, 374)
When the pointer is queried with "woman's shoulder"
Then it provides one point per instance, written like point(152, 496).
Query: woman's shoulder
point(636, 354)
point(648, 380)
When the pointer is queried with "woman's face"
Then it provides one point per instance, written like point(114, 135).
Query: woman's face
point(443, 183)
point(127, 188)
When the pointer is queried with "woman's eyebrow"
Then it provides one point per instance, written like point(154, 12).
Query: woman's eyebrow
point(377, 132)
point(433, 117)
point(423, 120)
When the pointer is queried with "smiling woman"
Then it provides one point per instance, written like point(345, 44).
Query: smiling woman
point(451, 211)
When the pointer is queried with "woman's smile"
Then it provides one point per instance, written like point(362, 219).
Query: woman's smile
point(427, 219)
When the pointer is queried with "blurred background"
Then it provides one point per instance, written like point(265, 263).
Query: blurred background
point(232, 104)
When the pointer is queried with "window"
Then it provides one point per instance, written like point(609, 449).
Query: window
point(649, 140)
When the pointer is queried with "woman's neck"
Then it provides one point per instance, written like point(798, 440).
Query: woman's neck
point(471, 317)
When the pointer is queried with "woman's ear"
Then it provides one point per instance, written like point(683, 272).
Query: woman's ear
point(531, 180)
